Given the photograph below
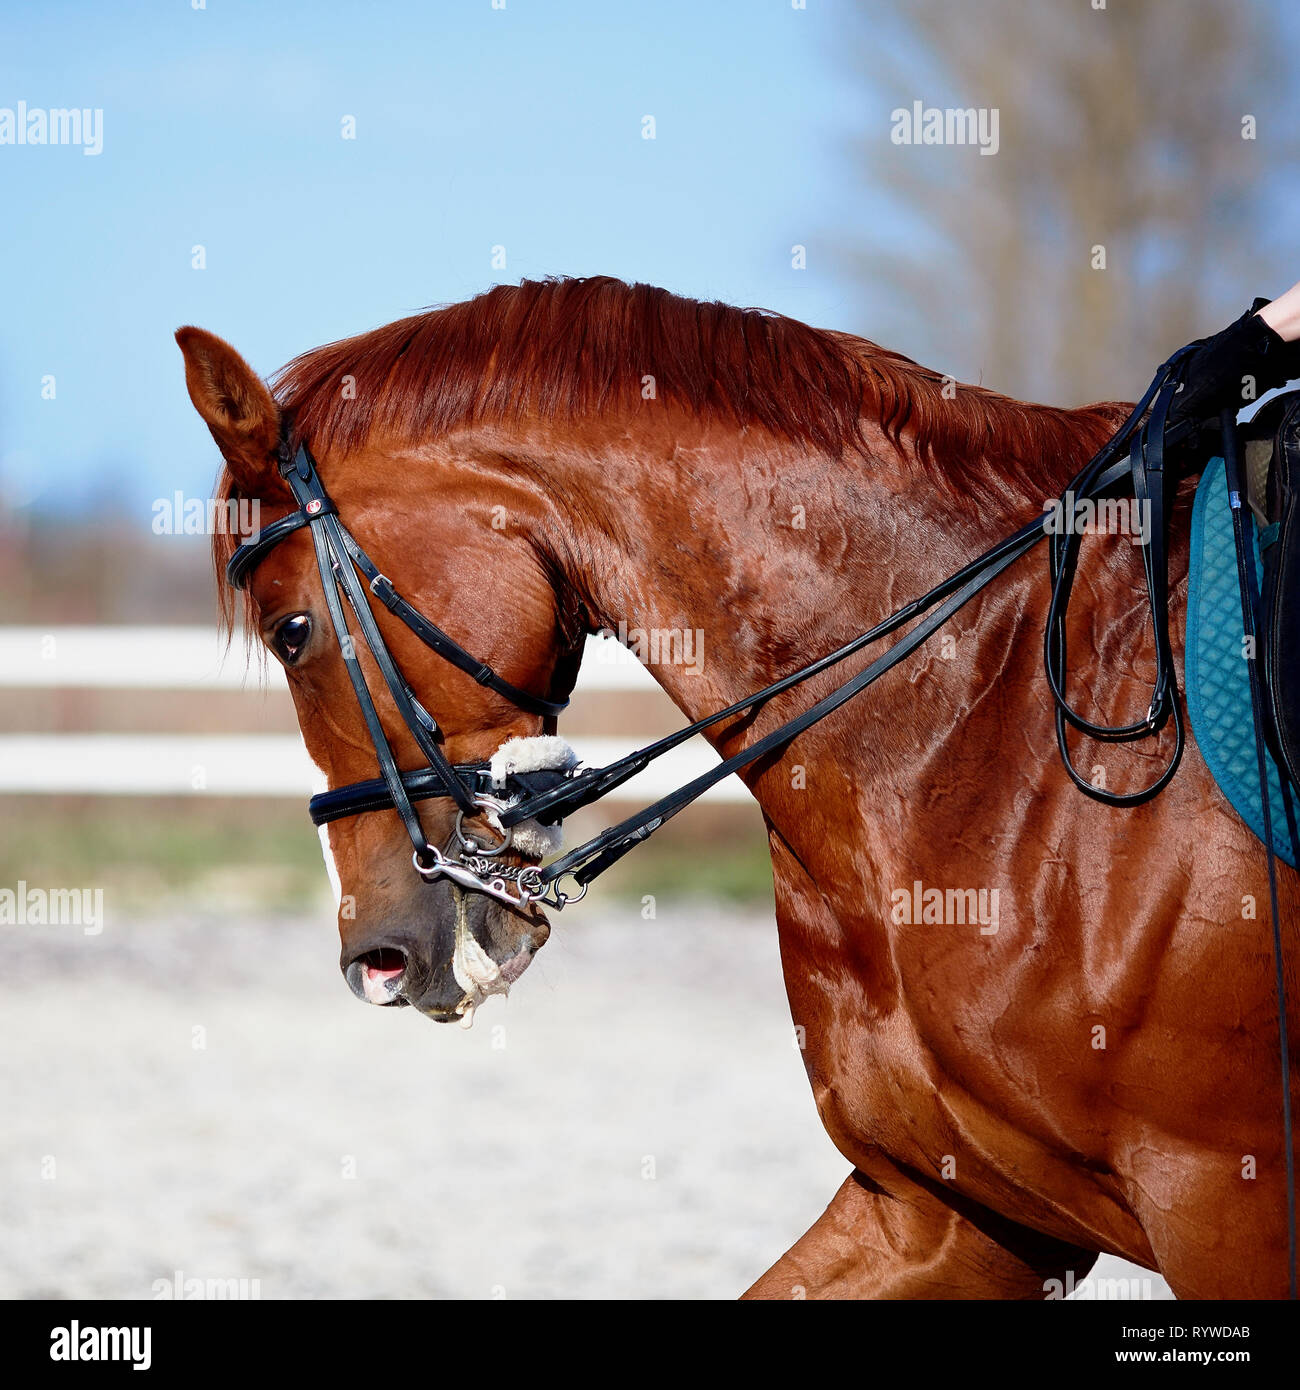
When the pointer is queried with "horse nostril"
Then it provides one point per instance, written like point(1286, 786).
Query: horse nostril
point(376, 976)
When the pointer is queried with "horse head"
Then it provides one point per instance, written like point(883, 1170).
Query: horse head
point(458, 528)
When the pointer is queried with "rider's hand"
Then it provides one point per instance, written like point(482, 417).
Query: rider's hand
point(1234, 368)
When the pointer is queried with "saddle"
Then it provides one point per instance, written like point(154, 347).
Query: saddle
point(1217, 680)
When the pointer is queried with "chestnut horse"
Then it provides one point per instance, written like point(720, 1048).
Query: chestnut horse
point(1036, 1026)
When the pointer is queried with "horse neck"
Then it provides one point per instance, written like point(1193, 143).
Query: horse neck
point(726, 564)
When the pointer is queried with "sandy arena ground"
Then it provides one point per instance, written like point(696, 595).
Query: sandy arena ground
point(633, 1122)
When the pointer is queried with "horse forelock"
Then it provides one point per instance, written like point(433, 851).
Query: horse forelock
point(224, 544)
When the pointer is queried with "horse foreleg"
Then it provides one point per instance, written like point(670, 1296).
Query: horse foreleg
point(871, 1243)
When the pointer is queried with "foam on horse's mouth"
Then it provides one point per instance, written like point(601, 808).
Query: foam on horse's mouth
point(474, 970)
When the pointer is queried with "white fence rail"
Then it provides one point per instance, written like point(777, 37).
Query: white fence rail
point(193, 659)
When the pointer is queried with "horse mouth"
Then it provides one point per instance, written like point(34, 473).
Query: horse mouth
point(476, 951)
point(476, 970)
point(507, 972)
point(381, 980)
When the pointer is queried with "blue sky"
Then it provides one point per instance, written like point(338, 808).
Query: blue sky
point(475, 128)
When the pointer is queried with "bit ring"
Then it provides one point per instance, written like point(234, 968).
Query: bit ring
point(492, 804)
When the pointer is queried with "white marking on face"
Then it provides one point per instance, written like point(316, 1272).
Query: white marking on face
point(330, 867)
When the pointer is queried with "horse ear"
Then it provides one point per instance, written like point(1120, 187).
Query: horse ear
point(236, 406)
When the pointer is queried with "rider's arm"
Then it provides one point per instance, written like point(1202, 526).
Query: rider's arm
point(1283, 315)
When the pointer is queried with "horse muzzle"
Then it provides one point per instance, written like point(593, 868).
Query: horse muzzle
point(468, 946)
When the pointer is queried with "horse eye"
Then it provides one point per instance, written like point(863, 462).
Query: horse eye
point(291, 637)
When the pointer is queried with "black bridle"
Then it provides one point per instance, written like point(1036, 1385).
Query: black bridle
point(347, 572)
point(1135, 452)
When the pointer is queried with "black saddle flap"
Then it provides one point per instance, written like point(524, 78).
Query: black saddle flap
point(1280, 598)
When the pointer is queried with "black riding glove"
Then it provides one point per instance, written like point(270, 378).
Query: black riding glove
point(1222, 371)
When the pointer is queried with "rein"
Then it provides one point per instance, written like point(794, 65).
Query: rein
point(1144, 463)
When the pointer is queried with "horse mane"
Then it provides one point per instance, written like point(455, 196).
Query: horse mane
point(561, 348)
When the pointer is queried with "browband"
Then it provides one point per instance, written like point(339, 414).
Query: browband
point(251, 553)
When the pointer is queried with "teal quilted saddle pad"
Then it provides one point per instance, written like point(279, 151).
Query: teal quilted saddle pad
point(1217, 677)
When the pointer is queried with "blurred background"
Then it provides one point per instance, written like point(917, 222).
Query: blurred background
point(292, 174)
